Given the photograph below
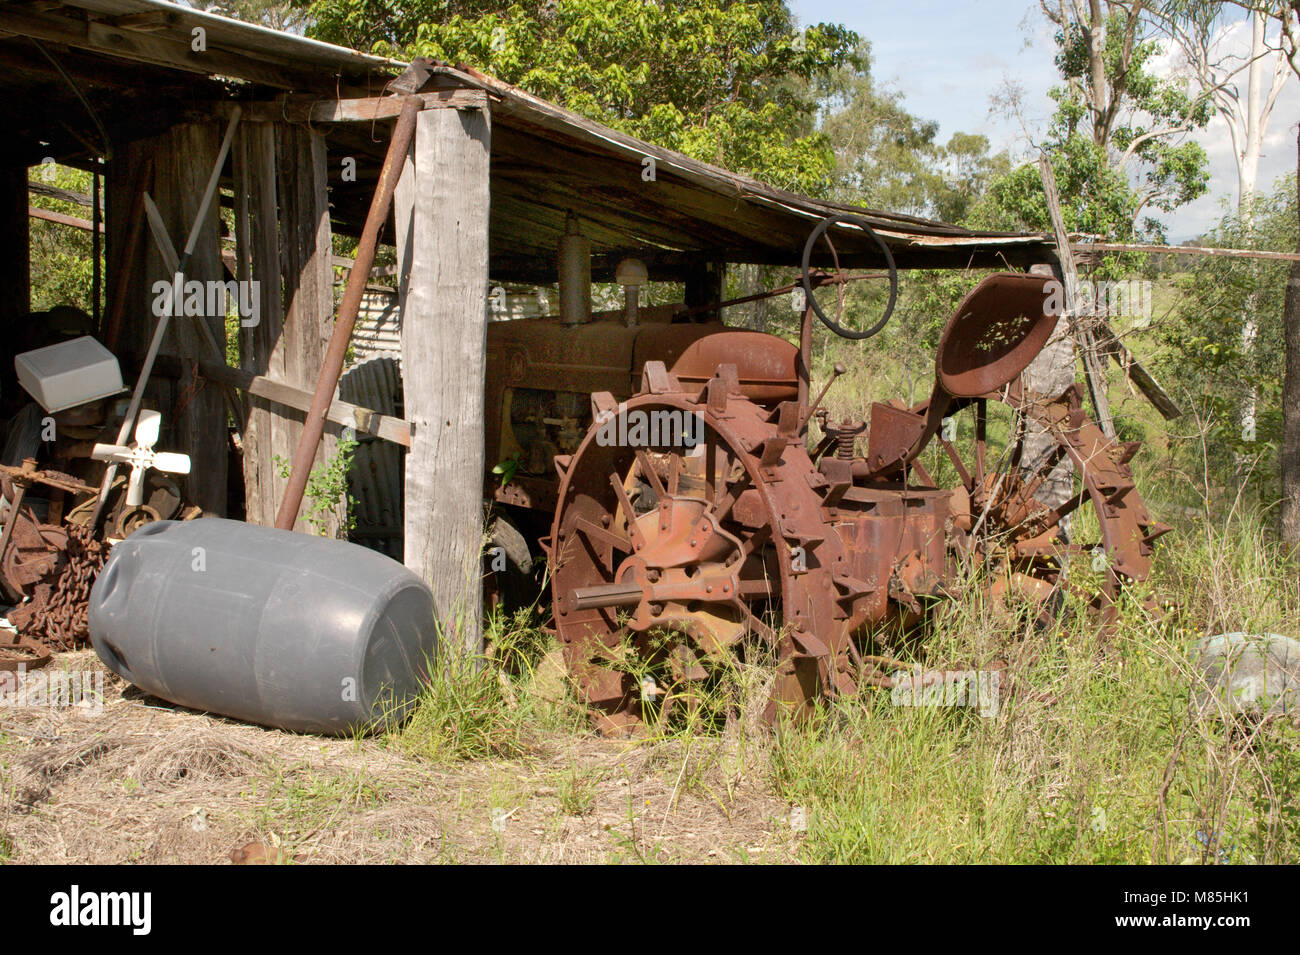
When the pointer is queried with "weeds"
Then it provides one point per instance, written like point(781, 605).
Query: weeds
point(1099, 751)
point(488, 708)
point(326, 493)
point(296, 806)
point(576, 791)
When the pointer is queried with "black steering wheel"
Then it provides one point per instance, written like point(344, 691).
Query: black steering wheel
point(835, 326)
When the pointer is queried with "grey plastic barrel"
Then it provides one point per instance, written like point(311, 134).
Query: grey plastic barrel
point(268, 626)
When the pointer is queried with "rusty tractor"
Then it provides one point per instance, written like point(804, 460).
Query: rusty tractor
point(694, 522)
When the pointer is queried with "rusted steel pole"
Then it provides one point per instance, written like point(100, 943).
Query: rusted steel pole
point(332, 367)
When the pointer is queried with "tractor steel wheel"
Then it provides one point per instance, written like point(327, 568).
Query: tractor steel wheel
point(675, 561)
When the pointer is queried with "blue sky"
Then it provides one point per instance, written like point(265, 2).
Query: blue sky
point(947, 58)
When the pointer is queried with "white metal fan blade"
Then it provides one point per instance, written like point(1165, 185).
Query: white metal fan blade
point(135, 486)
point(110, 452)
point(172, 462)
point(147, 429)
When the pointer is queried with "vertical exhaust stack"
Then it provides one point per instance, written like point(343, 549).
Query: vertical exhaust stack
point(575, 274)
point(632, 275)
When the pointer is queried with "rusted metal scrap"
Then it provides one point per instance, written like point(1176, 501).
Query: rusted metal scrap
point(47, 569)
point(55, 613)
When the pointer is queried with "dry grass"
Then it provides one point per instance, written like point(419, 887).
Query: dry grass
point(145, 782)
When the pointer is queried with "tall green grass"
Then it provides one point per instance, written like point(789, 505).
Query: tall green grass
point(1099, 753)
point(494, 707)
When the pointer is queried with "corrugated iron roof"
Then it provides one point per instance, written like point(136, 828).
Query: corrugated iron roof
point(547, 161)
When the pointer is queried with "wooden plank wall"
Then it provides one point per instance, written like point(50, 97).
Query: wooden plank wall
point(122, 176)
point(194, 415)
point(283, 233)
point(258, 255)
point(283, 241)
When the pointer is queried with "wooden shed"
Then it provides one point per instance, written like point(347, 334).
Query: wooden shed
point(141, 92)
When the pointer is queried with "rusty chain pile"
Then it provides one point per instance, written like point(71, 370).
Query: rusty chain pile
point(56, 613)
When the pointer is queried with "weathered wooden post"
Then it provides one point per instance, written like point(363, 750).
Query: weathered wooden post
point(1081, 322)
point(14, 262)
point(267, 436)
point(442, 235)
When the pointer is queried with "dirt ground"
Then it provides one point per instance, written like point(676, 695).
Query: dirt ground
point(141, 781)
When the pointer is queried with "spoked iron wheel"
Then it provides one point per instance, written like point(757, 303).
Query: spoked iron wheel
point(1026, 544)
point(673, 560)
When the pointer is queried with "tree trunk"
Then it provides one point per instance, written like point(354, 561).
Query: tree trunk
point(1291, 400)
point(1049, 374)
point(1252, 136)
point(1096, 35)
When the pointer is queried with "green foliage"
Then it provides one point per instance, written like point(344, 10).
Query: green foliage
point(1115, 158)
point(1172, 173)
point(1088, 760)
point(1207, 354)
point(61, 269)
point(967, 171)
point(495, 707)
point(463, 714)
point(277, 14)
point(1095, 197)
point(576, 791)
point(886, 158)
point(725, 82)
point(506, 470)
point(327, 487)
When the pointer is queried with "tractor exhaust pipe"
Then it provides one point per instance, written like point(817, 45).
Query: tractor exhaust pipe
point(574, 268)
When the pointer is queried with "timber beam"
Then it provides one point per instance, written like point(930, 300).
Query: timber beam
point(297, 108)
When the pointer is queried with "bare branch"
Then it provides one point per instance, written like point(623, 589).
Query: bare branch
point(1154, 134)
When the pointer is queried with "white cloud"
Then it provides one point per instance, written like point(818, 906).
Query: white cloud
point(1232, 45)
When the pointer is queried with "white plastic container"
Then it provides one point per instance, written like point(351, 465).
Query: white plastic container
point(68, 374)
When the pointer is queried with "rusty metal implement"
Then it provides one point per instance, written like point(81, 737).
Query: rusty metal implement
point(671, 561)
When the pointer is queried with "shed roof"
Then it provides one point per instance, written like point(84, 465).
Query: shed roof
point(134, 64)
